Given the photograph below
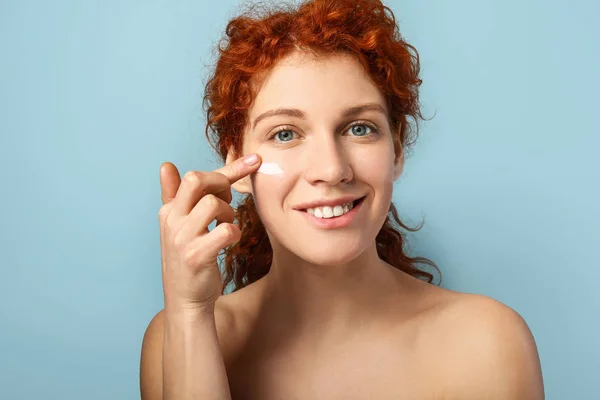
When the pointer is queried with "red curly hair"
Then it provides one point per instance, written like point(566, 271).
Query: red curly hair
point(365, 29)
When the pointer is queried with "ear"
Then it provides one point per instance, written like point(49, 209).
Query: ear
point(399, 160)
point(244, 185)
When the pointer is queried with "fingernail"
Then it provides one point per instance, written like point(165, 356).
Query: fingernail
point(251, 159)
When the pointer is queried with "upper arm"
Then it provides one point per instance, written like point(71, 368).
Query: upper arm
point(151, 360)
point(500, 360)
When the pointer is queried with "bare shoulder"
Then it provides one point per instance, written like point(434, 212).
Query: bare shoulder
point(152, 344)
point(485, 349)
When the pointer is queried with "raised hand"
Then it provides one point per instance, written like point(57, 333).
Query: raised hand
point(190, 274)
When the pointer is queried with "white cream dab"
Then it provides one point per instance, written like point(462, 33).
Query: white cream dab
point(270, 168)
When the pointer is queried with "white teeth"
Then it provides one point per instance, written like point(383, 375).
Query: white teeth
point(330, 212)
point(327, 212)
point(337, 211)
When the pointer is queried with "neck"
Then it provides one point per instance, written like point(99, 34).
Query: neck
point(328, 299)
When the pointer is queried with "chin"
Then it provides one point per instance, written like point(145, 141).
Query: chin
point(330, 254)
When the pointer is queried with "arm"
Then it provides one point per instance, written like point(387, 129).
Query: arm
point(181, 358)
point(181, 354)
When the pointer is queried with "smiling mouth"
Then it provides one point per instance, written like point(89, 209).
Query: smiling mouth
point(327, 212)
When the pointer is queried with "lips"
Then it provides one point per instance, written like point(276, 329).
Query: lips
point(333, 222)
point(329, 203)
point(346, 207)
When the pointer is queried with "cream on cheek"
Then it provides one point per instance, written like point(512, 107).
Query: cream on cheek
point(270, 168)
point(271, 181)
point(271, 184)
point(275, 162)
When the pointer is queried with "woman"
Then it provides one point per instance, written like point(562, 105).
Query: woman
point(326, 304)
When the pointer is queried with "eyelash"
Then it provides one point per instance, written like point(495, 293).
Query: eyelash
point(374, 129)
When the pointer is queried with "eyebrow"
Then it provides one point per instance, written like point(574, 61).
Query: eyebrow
point(296, 113)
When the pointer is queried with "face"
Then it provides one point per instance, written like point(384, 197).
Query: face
point(321, 151)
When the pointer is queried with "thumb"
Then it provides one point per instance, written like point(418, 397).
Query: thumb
point(169, 181)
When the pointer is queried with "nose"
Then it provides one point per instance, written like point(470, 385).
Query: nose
point(326, 161)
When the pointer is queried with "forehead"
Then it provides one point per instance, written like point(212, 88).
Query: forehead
point(315, 85)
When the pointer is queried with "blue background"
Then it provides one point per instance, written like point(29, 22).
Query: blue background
point(95, 95)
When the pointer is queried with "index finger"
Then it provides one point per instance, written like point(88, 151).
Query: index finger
point(240, 168)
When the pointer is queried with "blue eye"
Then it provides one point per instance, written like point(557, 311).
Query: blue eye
point(362, 131)
point(358, 129)
point(284, 135)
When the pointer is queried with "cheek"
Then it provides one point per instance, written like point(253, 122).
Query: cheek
point(375, 168)
point(269, 188)
point(276, 173)
point(269, 193)
point(275, 162)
